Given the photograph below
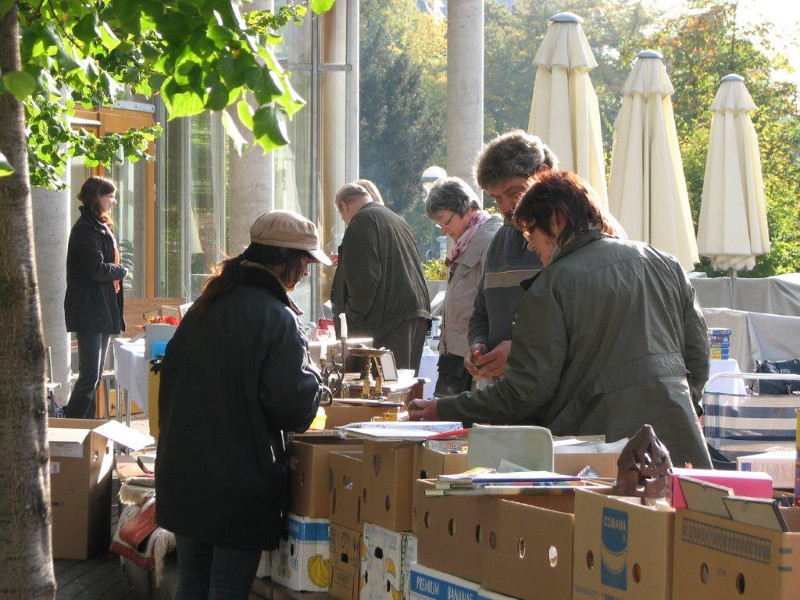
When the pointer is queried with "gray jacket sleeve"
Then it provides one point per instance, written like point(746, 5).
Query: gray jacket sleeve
point(478, 331)
point(533, 372)
point(696, 348)
point(362, 272)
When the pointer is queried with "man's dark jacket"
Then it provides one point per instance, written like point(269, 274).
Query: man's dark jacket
point(91, 304)
point(232, 382)
point(379, 282)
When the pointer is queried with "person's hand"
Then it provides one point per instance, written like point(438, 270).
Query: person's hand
point(476, 351)
point(423, 410)
point(334, 259)
point(493, 364)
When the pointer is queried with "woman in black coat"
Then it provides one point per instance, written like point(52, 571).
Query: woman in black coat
point(235, 377)
point(93, 302)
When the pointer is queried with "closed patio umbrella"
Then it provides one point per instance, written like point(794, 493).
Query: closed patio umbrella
point(732, 229)
point(648, 188)
point(565, 112)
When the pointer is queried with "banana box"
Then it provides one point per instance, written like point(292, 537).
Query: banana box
point(301, 562)
point(430, 584)
point(345, 562)
point(484, 594)
point(386, 558)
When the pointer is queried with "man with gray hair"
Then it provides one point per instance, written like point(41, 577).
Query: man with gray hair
point(379, 283)
point(502, 169)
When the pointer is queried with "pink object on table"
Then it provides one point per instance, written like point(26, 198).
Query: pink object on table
point(743, 483)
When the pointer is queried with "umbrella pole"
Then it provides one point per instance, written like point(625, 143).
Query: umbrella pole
point(733, 288)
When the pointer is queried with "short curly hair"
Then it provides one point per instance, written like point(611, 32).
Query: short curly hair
point(512, 154)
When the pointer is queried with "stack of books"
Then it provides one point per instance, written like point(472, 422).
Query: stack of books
point(483, 481)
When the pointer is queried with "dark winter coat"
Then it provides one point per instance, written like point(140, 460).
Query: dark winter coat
point(91, 304)
point(232, 382)
point(379, 283)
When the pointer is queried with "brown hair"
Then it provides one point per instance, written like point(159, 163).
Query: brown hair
point(563, 194)
point(91, 191)
point(228, 273)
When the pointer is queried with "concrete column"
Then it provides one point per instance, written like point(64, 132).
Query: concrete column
point(252, 190)
point(51, 226)
point(464, 87)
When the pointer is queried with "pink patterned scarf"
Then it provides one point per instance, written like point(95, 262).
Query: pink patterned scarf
point(478, 219)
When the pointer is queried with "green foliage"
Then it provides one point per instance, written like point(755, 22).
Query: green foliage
point(435, 269)
point(400, 133)
point(5, 166)
point(199, 55)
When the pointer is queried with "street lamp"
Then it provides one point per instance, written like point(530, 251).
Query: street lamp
point(430, 176)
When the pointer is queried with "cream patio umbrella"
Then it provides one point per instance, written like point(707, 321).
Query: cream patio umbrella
point(647, 188)
point(733, 217)
point(564, 111)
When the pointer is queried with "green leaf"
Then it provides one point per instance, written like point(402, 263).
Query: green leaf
point(20, 84)
point(245, 112)
point(86, 29)
point(265, 84)
point(320, 6)
point(5, 166)
point(239, 143)
point(217, 97)
point(108, 38)
point(269, 128)
point(184, 104)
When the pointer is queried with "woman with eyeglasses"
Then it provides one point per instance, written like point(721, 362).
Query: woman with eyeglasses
point(93, 300)
point(456, 209)
point(608, 336)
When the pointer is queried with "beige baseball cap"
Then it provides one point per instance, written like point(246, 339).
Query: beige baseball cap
point(287, 229)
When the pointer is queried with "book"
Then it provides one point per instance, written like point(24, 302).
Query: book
point(515, 490)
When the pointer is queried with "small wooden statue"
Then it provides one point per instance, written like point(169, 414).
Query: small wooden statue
point(643, 466)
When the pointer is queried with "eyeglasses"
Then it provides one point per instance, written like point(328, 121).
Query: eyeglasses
point(527, 232)
point(446, 223)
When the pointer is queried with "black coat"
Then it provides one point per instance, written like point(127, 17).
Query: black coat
point(231, 383)
point(91, 304)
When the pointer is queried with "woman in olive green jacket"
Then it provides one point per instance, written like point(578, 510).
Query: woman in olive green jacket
point(608, 336)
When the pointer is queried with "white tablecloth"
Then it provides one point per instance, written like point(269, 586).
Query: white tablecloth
point(131, 369)
point(726, 385)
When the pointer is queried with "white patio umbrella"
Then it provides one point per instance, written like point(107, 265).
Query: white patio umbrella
point(733, 229)
point(564, 111)
point(647, 188)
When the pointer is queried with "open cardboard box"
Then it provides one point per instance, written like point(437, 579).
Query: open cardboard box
point(346, 489)
point(81, 463)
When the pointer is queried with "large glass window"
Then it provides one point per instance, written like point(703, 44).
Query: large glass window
point(130, 222)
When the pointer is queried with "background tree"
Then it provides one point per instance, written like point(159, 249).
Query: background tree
point(199, 55)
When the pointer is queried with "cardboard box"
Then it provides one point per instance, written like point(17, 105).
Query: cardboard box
point(81, 461)
point(344, 414)
point(484, 594)
point(386, 563)
point(388, 484)
point(571, 463)
point(302, 562)
point(434, 458)
point(716, 558)
point(346, 489)
point(430, 584)
point(622, 549)
point(527, 552)
point(780, 465)
point(755, 485)
point(309, 470)
point(451, 531)
point(345, 557)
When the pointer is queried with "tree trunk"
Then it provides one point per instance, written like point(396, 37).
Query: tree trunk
point(26, 564)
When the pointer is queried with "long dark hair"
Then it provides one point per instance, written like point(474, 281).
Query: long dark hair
point(91, 191)
point(229, 272)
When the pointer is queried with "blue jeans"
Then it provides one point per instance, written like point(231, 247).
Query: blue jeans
point(207, 572)
point(92, 349)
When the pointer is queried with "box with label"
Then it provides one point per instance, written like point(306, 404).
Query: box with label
point(386, 563)
point(718, 558)
point(388, 483)
point(622, 549)
point(302, 562)
point(430, 584)
point(309, 472)
point(345, 557)
point(571, 463)
point(451, 531)
point(434, 458)
point(346, 489)
point(81, 463)
point(528, 547)
point(484, 594)
point(753, 484)
point(778, 464)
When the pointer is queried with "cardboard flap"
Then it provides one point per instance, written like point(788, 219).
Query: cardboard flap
point(761, 512)
point(67, 436)
point(705, 497)
point(130, 438)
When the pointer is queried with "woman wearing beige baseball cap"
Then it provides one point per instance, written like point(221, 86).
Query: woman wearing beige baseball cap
point(236, 376)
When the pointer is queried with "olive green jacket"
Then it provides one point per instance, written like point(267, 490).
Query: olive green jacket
point(608, 337)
